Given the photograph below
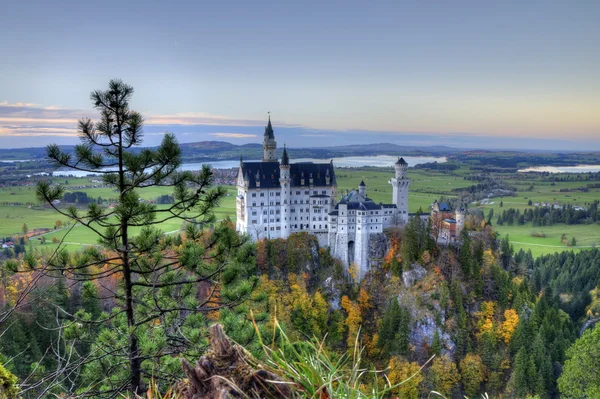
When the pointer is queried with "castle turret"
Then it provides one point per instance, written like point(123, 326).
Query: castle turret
point(344, 251)
point(269, 144)
point(284, 182)
point(401, 167)
point(400, 185)
point(362, 189)
point(361, 245)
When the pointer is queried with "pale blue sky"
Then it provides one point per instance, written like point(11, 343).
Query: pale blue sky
point(512, 69)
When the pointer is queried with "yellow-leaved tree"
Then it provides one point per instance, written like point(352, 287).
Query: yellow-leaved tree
point(353, 320)
point(406, 373)
point(508, 327)
point(443, 375)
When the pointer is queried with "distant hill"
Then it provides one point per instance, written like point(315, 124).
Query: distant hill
point(393, 149)
point(221, 150)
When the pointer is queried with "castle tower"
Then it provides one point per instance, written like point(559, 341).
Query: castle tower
point(284, 182)
point(344, 251)
point(400, 185)
point(361, 246)
point(269, 144)
point(362, 189)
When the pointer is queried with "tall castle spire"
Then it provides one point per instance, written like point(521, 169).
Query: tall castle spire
point(269, 130)
point(269, 144)
point(285, 160)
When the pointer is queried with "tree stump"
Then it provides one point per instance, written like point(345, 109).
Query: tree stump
point(226, 372)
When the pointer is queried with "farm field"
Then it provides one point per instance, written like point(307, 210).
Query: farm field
point(587, 236)
point(426, 187)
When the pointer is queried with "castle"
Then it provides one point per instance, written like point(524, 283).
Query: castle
point(278, 198)
point(446, 224)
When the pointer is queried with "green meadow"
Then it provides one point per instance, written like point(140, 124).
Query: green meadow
point(426, 186)
point(522, 237)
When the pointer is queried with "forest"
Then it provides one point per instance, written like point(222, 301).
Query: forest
point(119, 319)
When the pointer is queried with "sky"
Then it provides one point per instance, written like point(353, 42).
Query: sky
point(470, 74)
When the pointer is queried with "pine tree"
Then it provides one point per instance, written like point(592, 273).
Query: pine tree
point(436, 344)
point(521, 371)
point(395, 329)
point(160, 309)
point(465, 257)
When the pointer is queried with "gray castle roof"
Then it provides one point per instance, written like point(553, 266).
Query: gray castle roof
point(285, 160)
point(444, 207)
point(267, 174)
point(269, 130)
point(401, 161)
point(354, 201)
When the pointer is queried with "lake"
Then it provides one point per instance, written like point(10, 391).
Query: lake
point(563, 169)
point(378, 160)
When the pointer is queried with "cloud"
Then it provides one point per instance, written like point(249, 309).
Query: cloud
point(233, 135)
point(29, 115)
point(35, 131)
point(27, 124)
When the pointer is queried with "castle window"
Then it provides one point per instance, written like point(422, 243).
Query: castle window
point(262, 204)
point(254, 194)
point(271, 220)
point(262, 194)
point(254, 204)
point(253, 221)
point(253, 213)
point(297, 192)
point(278, 220)
point(306, 192)
point(323, 192)
point(277, 194)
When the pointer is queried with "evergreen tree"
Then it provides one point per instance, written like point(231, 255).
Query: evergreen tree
point(436, 344)
point(395, 329)
point(160, 309)
point(465, 257)
point(523, 378)
point(506, 252)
